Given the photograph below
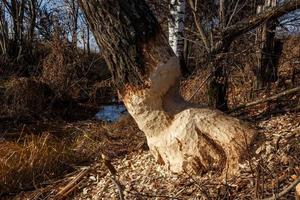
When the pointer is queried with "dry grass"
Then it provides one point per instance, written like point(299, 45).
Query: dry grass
point(27, 164)
point(35, 160)
point(113, 140)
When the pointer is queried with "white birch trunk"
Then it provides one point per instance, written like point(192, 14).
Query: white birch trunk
point(176, 26)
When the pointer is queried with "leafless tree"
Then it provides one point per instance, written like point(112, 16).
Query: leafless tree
point(146, 73)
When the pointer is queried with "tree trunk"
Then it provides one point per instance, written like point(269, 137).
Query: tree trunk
point(3, 31)
point(265, 71)
point(176, 26)
point(222, 14)
point(88, 46)
point(16, 9)
point(176, 31)
point(74, 16)
point(146, 72)
point(217, 90)
point(33, 16)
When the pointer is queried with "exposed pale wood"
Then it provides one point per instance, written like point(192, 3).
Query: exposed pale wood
point(181, 136)
point(297, 193)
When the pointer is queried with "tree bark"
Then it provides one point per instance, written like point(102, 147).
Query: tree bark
point(146, 71)
point(33, 15)
point(3, 31)
point(74, 15)
point(176, 31)
point(176, 26)
point(16, 9)
point(265, 70)
point(222, 13)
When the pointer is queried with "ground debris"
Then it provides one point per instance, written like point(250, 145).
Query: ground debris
point(273, 167)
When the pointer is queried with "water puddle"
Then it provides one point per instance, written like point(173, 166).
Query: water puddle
point(111, 113)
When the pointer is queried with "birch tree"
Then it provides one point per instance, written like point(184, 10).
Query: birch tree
point(176, 26)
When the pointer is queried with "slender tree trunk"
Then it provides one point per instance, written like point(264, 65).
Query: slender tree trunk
point(217, 90)
point(176, 26)
point(33, 16)
point(222, 13)
point(75, 13)
point(17, 11)
point(3, 31)
point(146, 72)
point(265, 71)
point(88, 46)
point(176, 31)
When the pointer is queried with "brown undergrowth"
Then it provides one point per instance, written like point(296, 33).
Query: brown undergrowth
point(26, 96)
point(70, 73)
point(62, 81)
point(35, 161)
point(31, 162)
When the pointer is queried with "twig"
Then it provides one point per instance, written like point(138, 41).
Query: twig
point(286, 190)
point(119, 187)
point(203, 191)
point(72, 185)
point(183, 189)
point(276, 96)
point(199, 87)
point(112, 170)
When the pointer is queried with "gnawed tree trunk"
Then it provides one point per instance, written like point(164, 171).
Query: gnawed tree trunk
point(146, 72)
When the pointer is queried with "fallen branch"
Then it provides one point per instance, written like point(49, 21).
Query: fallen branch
point(285, 191)
point(72, 185)
point(276, 96)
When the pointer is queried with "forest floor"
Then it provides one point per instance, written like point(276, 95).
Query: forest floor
point(52, 146)
point(128, 167)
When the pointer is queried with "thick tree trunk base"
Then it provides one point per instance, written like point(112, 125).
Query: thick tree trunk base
point(146, 71)
point(184, 137)
point(200, 140)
